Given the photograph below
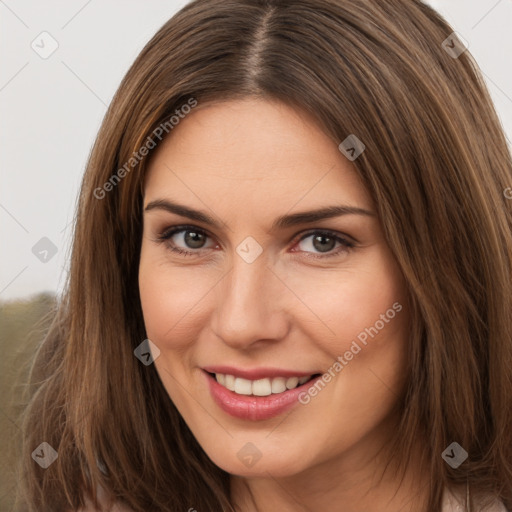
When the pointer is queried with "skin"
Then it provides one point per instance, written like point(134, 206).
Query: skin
point(245, 163)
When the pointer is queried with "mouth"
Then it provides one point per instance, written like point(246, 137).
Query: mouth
point(259, 399)
point(260, 387)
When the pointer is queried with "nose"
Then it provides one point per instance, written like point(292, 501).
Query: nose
point(250, 306)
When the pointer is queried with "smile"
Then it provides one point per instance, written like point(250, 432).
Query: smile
point(260, 387)
point(258, 399)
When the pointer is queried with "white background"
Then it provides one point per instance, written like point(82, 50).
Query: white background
point(51, 109)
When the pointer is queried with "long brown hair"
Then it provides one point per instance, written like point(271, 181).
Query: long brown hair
point(436, 164)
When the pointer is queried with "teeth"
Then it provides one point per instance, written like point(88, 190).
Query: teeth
point(243, 386)
point(261, 387)
point(230, 382)
point(278, 385)
point(292, 382)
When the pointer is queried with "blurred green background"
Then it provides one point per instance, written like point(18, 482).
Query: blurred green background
point(23, 324)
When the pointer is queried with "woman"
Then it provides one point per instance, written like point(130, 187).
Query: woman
point(290, 279)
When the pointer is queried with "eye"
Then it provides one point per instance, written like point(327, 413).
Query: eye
point(185, 240)
point(325, 242)
point(190, 241)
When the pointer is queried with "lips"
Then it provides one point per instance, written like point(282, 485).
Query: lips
point(249, 406)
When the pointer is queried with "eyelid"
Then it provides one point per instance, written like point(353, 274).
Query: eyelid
point(167, 232)
point(335, 234)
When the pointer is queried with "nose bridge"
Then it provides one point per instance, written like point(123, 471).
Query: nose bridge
point(249, 303)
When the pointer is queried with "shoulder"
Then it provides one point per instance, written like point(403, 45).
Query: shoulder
point(454, 501)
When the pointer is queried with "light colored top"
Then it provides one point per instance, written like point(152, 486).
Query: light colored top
point(453, 501)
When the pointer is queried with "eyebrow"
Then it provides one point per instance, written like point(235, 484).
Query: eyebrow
point(285, 221)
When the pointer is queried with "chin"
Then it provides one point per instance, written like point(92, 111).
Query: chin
point(248, 461)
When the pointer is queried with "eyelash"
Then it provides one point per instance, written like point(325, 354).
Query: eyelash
point(166, 235)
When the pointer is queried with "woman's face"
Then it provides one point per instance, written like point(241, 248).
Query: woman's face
point(267, 292)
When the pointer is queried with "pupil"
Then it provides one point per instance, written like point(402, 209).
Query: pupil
point(194, 240)
point(322, 247)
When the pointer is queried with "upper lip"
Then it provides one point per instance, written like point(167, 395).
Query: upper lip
point(256, 373)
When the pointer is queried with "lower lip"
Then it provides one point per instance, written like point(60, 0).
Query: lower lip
point(254, 408)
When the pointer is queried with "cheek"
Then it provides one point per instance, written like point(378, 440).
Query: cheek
point(170, 306)
point(354, 304)
point(170, 298)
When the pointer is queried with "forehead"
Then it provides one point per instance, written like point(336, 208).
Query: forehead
point(255, 156)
